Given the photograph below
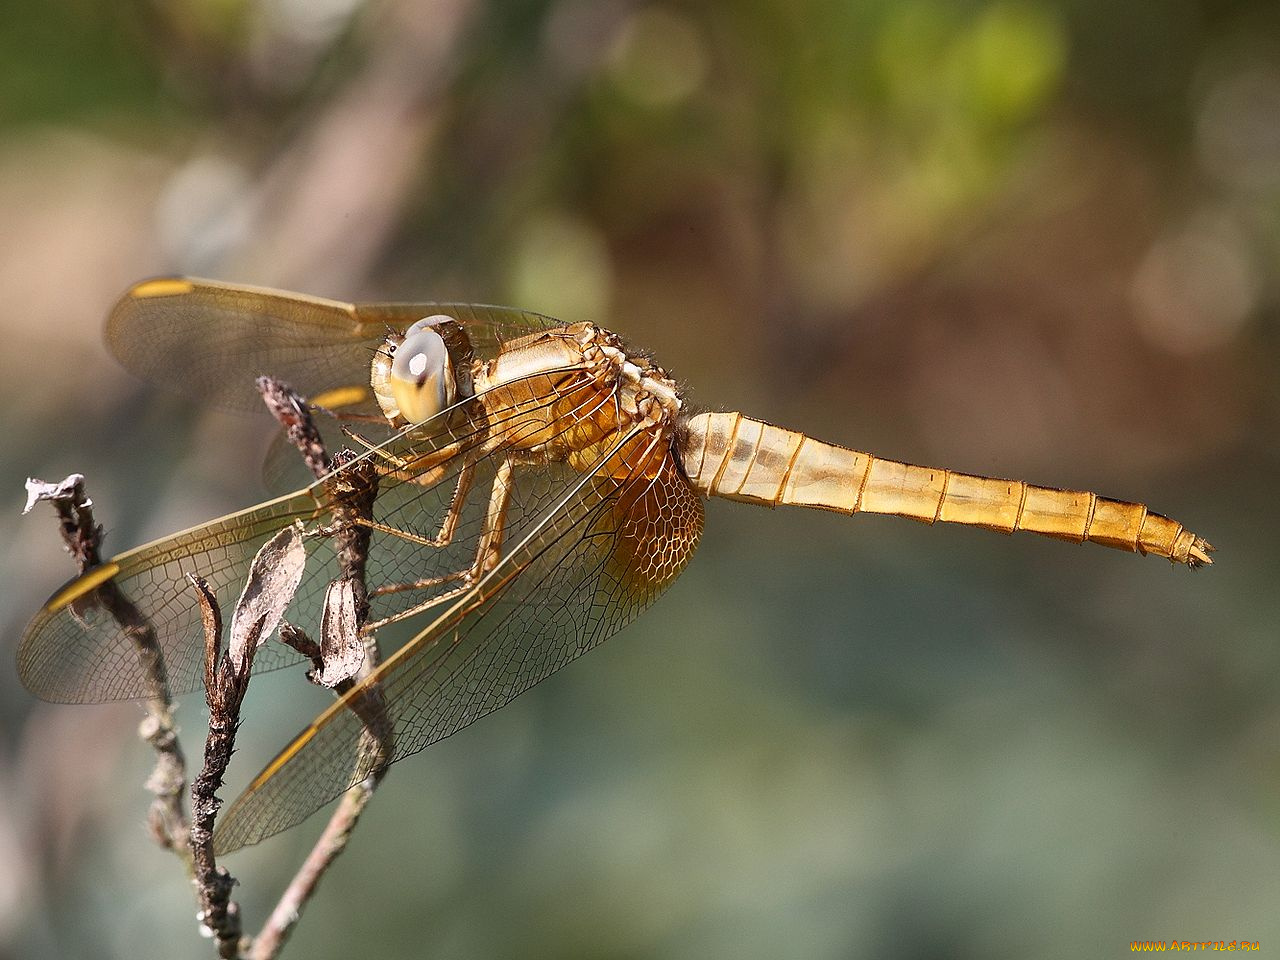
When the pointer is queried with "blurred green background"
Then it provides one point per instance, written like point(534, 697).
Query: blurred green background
point(1035, 239)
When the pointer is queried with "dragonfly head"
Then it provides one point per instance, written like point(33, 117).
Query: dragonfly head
point(413, 376)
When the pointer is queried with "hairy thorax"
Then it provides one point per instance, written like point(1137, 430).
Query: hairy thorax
point(569, 394)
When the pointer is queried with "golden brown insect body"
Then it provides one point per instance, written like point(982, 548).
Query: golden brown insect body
point(540, 485)
point(729, 455)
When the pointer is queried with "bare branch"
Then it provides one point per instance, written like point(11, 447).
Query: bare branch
point(296, 638)
point(333, 659)
point(75, 516)
point(294, 414)
point(288, 911)
point(272, 580)
point(224, 690)
point(341, 659)
point(167, 819)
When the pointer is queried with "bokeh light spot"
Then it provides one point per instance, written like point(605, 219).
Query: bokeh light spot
point(1196, 286)
point(560, 265)
point(658, 58)
point(1013, 57)
point(1238, 128)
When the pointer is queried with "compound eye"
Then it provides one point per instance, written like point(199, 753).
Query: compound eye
point(422, 373)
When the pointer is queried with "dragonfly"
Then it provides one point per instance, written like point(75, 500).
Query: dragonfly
point(539, 484)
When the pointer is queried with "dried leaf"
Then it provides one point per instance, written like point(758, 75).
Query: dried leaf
point(268, 590)
point(341, 649)
point(38, 490)
point(211, 621)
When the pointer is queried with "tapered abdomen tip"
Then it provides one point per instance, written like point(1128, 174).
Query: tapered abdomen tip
point(1198, 553)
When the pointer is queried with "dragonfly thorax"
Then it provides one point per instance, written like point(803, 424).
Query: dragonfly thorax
point(570, 392)
point(643, 389)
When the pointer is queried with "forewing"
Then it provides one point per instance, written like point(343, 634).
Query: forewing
point(210, 340)
point(601, 547)
point(75, 650)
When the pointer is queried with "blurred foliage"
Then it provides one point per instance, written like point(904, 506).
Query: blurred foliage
point(1036, 238)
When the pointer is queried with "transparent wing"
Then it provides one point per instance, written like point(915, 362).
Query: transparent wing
point(75, 651)
point(601, 547)
point(210, 340)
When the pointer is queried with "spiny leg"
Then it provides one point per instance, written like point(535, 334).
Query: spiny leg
point(486, 558)
point(422, 470)
point(466, 477)
point(487, 550)
point(448, 527)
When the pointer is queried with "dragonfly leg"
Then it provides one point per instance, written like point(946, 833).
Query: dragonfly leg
point(395, 532)
point(448, 527)
point(421, 470)
point(424, 584)
point(466, 477)
point(397, 462)
point(369, 445)
point(487, 554)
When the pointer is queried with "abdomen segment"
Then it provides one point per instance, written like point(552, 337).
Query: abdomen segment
point(732, 456)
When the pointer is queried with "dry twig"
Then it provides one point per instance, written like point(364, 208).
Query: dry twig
point(167, 818)
point(340, 660)
point(269, 587)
